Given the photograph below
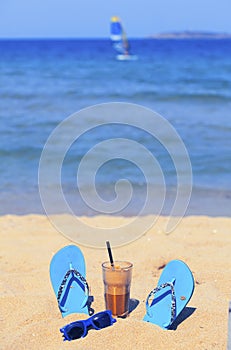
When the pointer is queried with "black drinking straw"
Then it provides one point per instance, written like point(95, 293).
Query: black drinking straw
point(110, 253)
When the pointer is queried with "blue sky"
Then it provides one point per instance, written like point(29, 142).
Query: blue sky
point(90, 18)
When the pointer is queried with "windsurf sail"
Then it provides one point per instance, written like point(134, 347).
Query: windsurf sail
point(118, 36)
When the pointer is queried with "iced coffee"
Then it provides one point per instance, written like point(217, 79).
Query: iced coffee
point(117, 282)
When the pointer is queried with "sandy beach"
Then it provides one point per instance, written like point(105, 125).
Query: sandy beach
point(30, 318)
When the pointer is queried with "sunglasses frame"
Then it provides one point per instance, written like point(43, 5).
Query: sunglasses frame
point(84, 324)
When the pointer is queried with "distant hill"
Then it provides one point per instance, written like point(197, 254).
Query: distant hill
point(191, 35)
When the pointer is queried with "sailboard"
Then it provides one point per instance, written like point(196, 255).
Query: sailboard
point(119, 41)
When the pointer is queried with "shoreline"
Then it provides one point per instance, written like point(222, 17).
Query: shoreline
point(203, 202)
point(29, 306)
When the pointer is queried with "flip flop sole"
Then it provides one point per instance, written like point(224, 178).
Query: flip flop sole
point(178, 273)
point(74, 292)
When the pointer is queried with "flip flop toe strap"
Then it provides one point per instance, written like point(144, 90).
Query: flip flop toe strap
point(173, 300)
point(78, 275)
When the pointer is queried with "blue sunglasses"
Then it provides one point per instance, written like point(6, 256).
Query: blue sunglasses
point(79, 329)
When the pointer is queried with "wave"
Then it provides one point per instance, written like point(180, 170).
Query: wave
point(153, 95)
point(36, 102)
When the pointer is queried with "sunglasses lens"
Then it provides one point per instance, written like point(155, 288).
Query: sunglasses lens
point(102, 320)
point(75, 332)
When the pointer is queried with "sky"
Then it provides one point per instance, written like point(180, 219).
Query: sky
point(90, 18)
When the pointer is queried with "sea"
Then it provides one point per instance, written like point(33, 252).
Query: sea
point(43, 82)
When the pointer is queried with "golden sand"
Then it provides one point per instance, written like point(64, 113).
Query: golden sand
point(30, 318)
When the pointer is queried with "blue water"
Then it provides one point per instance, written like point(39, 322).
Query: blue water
point(188, 82)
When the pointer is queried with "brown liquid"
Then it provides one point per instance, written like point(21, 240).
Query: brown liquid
point(118, 304)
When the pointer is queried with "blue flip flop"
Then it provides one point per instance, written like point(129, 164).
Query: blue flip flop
point(68, 279)
point(173, 292)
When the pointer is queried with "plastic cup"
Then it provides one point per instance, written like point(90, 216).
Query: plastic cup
point(117, 282)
